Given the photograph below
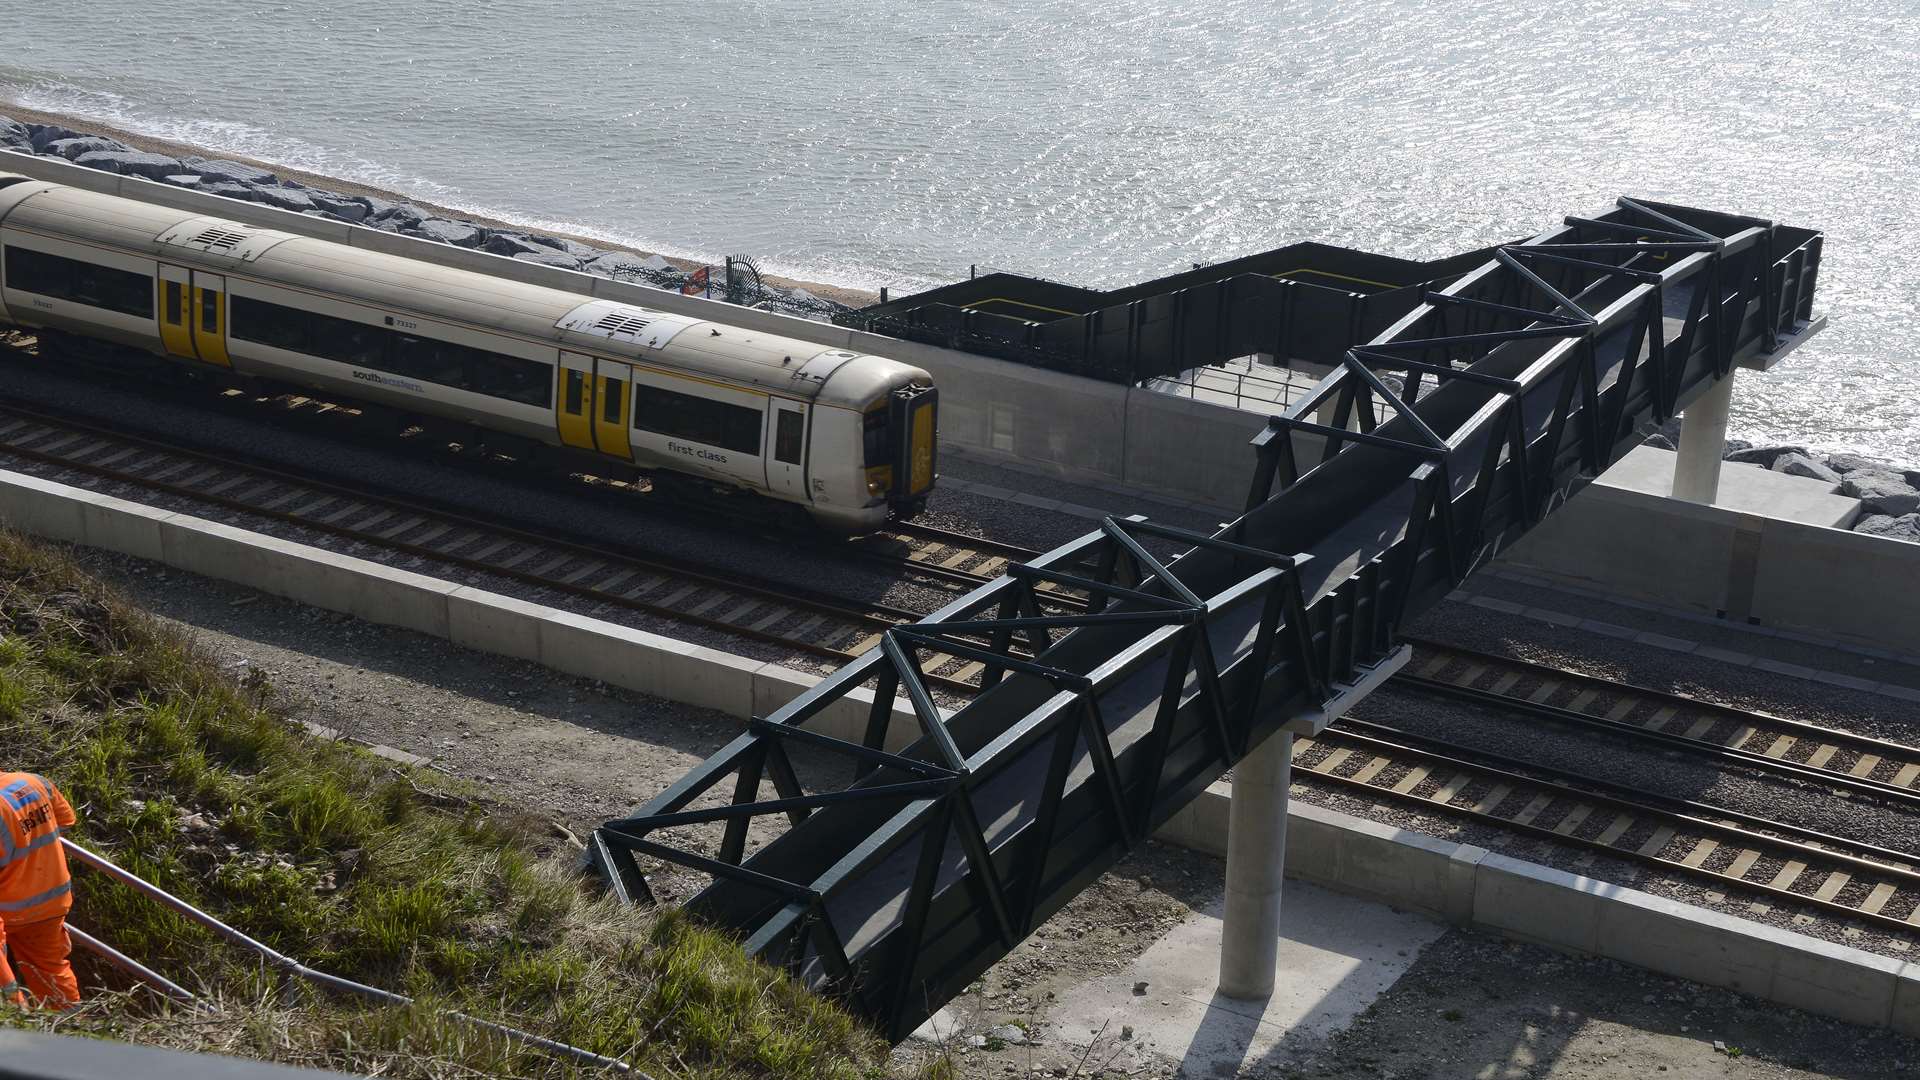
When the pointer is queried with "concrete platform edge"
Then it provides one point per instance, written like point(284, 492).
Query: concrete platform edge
point(1470, 885)
point(562, 640)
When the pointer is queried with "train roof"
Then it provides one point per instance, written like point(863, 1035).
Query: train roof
point(718, 350)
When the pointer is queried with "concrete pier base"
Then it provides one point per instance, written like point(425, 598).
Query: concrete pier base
point(1703, 444)
point(1256, 860)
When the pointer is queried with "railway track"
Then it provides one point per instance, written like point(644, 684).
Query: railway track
point(815, 625)
point(1736, 851)
point(1774, 744)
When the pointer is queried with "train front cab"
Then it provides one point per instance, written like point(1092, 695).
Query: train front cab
point(902, 446)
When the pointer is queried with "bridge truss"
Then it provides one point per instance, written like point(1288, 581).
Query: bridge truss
point(1127, 670)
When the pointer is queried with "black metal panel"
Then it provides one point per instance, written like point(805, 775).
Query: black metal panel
point(1131, 683)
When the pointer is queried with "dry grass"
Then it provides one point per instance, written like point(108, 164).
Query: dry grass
point(191, 780)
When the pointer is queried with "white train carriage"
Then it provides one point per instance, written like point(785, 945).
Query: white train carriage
point(849, 438)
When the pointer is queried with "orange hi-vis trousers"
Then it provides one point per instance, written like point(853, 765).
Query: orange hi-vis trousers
point(40, 964)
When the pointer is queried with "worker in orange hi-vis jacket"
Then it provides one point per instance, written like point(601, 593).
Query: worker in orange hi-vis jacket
point(35, 892)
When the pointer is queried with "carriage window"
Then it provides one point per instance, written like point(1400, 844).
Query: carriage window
point(209, 311)
point(80, 282)
point(786, 437)
point(364, 345)
point(698, 419)
point(576, 391)
point(174, 314)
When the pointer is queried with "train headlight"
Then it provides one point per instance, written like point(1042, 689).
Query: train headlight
point(879, 481)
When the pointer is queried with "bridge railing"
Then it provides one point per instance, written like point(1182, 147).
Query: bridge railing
point(1123, 677)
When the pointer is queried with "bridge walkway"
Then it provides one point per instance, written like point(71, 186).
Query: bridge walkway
point(1123, 681)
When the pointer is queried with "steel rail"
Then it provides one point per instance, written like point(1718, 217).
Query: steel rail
point(1635, 805)
point(873, 620)
point(1900, 758)
point(290, 966)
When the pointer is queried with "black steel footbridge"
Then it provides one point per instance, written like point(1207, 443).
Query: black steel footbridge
point(1128, 669)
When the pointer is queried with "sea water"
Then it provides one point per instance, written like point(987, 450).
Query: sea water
point(1094, 141)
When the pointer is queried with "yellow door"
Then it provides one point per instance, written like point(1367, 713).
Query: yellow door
point(574, 414)
point(176, 311)
point(209, 318)
point(610, 418)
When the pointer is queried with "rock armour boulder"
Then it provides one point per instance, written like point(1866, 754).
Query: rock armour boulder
point(506, 243)
point(43, 134)
point(130, 163)
point(283, 198)
point(15, 133)
point(1904, 527)
point(238, 172)
point(558, 259)
point(1882, 492)
point(459, 234)
point(1765, 456)
point(401, 216)
point(344, 207)
point(1802, 465)
point(86, 144)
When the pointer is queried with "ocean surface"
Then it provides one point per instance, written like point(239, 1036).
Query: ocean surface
point(1093, 141)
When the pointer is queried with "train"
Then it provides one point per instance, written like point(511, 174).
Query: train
point(787, 427)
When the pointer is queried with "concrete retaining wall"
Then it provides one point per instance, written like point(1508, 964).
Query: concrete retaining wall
point(1064, 425)
point(1472, 886)
point(1792, 575)
point(561, 640)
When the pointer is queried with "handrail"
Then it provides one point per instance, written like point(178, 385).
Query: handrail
point(294, 967)
point(134, 967)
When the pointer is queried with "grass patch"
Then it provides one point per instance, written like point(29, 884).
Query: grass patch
point(193, 781)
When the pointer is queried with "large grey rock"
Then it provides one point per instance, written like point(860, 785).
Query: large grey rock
point(560, 243)
point(284, 198)
point(617, 264)
point(1882, 492)
point(44, 134)
point(1658, 441)
point(1846, 463)
point(238, 172)
point(185, 180)
point(1765, 456)
point(401, 216)
point(1903, 527)
point(130, 163)
point(85, 144)
point(550, 258)
point(226, 189)
point(346, 207)
point(1802, 465)
point(457, 233)
point(506, 243)
point(15, 133)
point(1734, 446)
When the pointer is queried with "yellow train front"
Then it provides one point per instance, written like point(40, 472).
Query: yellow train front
point(849, 439)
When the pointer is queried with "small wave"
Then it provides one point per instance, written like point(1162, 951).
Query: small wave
point(214, 136)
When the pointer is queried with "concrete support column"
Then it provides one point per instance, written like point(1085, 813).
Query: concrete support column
point(1256, 857)
point(1703, 442)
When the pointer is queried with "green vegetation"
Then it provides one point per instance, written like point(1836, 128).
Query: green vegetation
point(354, 866)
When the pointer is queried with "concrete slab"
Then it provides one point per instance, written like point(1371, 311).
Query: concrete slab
point(1337, 954)
point(1744, 487)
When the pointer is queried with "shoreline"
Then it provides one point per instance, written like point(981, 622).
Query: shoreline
point(90, 126)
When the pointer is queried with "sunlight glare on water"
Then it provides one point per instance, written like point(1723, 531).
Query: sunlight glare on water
point(1096, 142)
